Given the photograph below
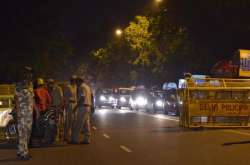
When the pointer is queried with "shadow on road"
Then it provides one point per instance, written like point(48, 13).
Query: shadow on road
point(9, 160)
point(7, 145)
point(236, 143)
point(176, 130)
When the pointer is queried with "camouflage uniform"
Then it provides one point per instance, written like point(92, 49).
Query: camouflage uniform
point(24, 95)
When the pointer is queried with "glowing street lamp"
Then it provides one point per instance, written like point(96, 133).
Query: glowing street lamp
point(158, 1)
point(118, 32)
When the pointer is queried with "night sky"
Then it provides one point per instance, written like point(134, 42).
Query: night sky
point(87, 24)
point(220, 27)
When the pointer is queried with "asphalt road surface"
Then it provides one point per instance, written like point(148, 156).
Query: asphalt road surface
point(123, 137)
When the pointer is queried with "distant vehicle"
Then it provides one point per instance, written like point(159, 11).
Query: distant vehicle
point(171, 99)
point(105, 97)
point(123, 98)
point(158, 101)
point(141, 99)
point(171, 102)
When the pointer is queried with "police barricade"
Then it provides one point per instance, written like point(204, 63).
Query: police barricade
point(214, 102)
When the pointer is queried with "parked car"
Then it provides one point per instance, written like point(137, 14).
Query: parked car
point(171, 102)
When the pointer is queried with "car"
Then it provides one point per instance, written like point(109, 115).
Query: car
point(123, 98)
point(141, 99)
point(105, 98)
point(171, 102)
point(158, 100)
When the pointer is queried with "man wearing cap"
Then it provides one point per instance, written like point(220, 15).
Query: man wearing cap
point(70, 100)
point(24, 102)
point(83, 108)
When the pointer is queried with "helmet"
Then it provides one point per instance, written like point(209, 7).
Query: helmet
point(40, 81)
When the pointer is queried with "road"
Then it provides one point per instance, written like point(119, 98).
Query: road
point(123, 137)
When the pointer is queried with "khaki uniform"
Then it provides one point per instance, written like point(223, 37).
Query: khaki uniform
point(70, 99)
point(25, 100)
point(84, 95)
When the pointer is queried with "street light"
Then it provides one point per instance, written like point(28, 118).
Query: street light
point(118, 32)
point(158, 1)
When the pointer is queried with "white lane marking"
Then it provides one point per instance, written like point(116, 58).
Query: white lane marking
point(94, 128)
point(237, 132)
point(126, 149)
point(160, 116)
point(106, 136)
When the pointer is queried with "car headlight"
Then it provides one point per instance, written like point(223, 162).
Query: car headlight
point(1, 103)
point(102, 98)
point(141, 101)
point(111, 98)
point(180, 102)
point(159, 103)
point(123, 99)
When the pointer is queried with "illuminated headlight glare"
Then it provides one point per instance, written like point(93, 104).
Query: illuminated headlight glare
point(159, 103)
point(141, 101)
point(180, 102)
point(102, 98)
point(1, 103)
point(123, 99)
point(111, 98)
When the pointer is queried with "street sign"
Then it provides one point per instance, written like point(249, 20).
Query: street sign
point(220, 109)
point(244, 63)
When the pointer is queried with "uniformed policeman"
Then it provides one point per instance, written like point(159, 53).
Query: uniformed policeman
point(70, 100)
point(84, 104)
point(24, 100)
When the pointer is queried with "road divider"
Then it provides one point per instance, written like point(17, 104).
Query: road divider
point(126, 149)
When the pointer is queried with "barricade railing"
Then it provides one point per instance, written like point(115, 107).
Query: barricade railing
point(216, 103)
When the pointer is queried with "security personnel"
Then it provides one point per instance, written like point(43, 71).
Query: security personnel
point(42, 97)
point(84, 103)
point(70, 100)
point(24, 102)
point(56, 94)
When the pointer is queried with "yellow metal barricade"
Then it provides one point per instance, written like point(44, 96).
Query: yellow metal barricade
point(214, 102)
point(6, 96)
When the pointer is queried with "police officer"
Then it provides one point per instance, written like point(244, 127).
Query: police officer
point(56, 94)
point(70, 100)
point(84, 104)
point(24, 101)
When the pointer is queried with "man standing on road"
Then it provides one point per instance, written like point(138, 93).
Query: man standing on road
point(56, 94)
point(42, 97)
point(57, 103)
point(70, 100)
point(84, 103)
point(24, 102)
